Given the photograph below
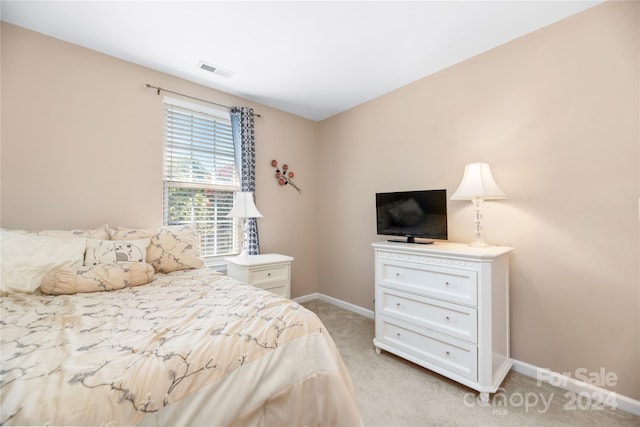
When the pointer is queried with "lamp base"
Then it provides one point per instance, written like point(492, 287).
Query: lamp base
point(244, 254)
point(479, 243)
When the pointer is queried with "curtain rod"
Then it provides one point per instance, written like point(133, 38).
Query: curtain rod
point(161, 89)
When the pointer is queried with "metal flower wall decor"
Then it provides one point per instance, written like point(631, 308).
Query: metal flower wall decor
point(284, 176)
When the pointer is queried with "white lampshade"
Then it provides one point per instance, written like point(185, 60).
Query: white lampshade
point(478, 183)
point(243, 206)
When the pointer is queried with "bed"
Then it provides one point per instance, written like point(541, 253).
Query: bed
point(191, 347)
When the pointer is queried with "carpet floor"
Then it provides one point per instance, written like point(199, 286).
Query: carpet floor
point(391, 392)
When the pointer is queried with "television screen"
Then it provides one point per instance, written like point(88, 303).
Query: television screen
point(413, 214)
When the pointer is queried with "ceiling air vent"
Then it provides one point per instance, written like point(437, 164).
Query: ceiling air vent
point(215, 69)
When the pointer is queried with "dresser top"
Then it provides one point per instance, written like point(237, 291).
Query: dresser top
point(444, 249)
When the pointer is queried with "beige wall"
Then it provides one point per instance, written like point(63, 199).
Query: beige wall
point(556, 115)
point(82, 146)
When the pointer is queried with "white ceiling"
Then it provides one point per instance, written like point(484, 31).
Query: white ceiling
point(313, 59)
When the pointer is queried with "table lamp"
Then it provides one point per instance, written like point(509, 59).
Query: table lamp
point(478, 185)
point(243, 208)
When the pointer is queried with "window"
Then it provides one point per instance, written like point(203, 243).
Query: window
point(200, 175)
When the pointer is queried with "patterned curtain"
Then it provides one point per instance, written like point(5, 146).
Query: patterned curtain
point(243, 140)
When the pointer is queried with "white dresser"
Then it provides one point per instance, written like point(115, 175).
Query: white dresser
point(445, 306)
point(266, 271)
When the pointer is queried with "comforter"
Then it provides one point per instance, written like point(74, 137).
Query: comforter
point(191, 348)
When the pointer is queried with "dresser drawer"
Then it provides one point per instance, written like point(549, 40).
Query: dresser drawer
point(456, 285)
point(452, 355)
point(276, 273)
point(458, 321)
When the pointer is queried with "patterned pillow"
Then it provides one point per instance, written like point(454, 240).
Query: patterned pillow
point(172, 248)
point(101, 277)
point(106, 251)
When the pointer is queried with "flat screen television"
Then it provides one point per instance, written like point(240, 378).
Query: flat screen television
point(413, 214)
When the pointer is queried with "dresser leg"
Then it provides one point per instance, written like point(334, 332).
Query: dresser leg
point(378, 351)
point(484, 397)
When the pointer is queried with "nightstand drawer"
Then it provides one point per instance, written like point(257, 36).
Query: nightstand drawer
point(458, 357)
point(270, 274)
point(439, 282)
point(279, 289)
point(457, 321)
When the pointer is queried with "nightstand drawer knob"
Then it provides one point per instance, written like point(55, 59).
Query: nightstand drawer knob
point(269, 274)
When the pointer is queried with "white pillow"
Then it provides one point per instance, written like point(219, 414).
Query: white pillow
point(26, 258)
point(101, 232)
point(110, 251)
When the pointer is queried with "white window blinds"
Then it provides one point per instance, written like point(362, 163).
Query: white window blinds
point(200, 175)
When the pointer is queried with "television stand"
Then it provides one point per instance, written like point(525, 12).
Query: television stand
point(411, 239)
point(446, 308)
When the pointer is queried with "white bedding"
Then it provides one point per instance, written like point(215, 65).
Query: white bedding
point(191, 348)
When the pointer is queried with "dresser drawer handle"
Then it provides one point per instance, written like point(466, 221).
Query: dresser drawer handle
point(448, 353)
point(269, 274)
point(446, 283)
point(447, 318)
point(398, 305)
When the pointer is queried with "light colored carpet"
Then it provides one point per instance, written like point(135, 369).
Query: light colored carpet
point(391, 392)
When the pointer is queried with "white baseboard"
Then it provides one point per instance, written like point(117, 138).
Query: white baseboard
point(602, 395)
point(307, 298)
point(337, 302)
point(595, 394)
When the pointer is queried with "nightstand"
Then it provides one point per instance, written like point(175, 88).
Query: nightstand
point(271, 272)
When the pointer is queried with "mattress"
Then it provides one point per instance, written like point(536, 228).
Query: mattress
point(192, 347)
